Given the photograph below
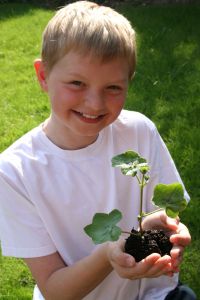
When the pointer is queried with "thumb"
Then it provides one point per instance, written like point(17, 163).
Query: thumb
point(170, 223)
point(121, 258)
point(125, 260)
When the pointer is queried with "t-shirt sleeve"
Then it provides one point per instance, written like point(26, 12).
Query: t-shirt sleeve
point(22, 232)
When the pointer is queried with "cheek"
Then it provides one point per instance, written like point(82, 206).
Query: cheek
point(117, 103)
point(61, 100)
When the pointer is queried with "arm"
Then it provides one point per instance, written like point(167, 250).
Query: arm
point(58, 281)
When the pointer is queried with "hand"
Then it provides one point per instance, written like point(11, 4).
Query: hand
point(178, 232)
point(180, 239)
point(125, 265)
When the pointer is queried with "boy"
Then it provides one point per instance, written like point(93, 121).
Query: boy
point(58, 175)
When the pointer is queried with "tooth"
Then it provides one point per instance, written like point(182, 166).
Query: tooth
point(89, 116)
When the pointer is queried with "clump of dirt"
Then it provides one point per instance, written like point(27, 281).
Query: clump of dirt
point(150, 241)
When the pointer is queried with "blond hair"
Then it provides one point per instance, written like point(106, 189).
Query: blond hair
point(86, 27)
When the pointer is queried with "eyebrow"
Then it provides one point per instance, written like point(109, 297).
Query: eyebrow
point(120, 80)
point(117, 80)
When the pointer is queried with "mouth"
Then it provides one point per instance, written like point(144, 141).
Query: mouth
point(89, 117)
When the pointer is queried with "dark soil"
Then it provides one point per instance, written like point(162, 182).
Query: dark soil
point(151, 241)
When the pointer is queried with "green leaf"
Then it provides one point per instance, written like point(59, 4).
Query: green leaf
point(115, 233)
point(103, 227)
point(170, 197)
point(124, 158)
point(130, 163)
point(115, 216)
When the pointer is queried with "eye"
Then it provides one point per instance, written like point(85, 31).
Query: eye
point(114, 89)
point(76, 83)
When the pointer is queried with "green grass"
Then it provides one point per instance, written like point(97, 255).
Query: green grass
point(22, 104)
point(16, 282)
point(166, 88)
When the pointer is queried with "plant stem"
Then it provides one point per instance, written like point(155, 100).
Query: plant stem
point(141, 202)
point(127, 232)
point(138, 179)
point(152, 212)
point(131, 233)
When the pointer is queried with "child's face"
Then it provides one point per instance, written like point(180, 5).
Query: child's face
point(86, 95)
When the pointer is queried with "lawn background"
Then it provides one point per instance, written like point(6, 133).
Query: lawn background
point(166, 88)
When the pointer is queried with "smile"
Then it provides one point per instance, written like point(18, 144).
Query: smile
point(89, 118)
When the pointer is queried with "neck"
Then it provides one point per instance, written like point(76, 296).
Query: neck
point(64, 140)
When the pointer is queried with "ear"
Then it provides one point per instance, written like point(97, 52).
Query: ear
point(40, 73)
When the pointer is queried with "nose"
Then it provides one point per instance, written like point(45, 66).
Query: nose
point(94, 100)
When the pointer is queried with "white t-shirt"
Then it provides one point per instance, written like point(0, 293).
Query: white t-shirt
point(48, 195)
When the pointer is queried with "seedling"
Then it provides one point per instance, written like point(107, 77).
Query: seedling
point(166, 196)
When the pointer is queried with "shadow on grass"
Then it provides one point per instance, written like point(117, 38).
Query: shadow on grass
point(13, 10)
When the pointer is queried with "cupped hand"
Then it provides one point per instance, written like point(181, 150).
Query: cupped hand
point(178, 232)
point(126, 267)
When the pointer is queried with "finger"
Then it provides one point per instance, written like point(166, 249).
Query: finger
point(148, 267)
point(147, 263)
point(129, 261)
point(161, 267)
point(176, 252)
point(164, 222)
point(176, 264)
point(173, 271)
point(169, 223)
point(141, 268)
point(177, 257)
point(122, 259)
point(181, 238)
